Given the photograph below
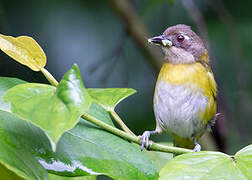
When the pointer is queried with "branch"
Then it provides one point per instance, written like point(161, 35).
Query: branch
point(137, 140)
point(120, 133)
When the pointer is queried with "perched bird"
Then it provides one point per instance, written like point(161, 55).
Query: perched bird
point(185, 94)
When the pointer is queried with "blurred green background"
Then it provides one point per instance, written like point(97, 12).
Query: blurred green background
point(94, 35)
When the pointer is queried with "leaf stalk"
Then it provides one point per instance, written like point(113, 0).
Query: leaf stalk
point(121, 123)
point(49, 77)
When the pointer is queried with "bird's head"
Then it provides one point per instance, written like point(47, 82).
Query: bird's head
point(180, 45)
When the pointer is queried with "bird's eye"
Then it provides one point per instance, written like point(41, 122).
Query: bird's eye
point(180, 38)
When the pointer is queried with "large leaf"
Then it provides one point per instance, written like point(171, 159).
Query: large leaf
point(160, 159)
point(5, 84)
point(55, 110)
point(56, 177)
point(21, 143)
point(85, 150)
point(243, 158)
point(24, 50)
point(19, 140)
point(210, 165)
point(88, 150)
point(110, 97)
point(6, 173)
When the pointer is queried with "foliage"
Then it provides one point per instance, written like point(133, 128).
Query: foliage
point(24, 50)
point(210, 165)
point(42, 132)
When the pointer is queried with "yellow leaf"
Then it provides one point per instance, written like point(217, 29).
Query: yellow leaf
point(24, 50)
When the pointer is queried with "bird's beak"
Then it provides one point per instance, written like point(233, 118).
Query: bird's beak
point(160, 40)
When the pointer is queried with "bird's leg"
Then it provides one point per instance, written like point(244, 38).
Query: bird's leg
point(146, 137)
point(197, 146)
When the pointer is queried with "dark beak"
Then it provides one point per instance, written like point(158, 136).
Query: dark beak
point(160, 40)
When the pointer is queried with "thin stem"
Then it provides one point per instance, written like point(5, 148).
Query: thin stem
point(49, 77)
point(118, 132)
point(137, 140)
point(121, 123)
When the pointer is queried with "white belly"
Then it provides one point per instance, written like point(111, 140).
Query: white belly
point(177, 108)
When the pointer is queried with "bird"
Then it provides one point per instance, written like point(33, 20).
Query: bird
point(184, 101)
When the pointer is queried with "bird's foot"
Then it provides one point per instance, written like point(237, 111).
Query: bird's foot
point(145, 140)
point(197, 147)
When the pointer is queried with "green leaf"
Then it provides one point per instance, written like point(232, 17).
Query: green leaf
point(24, 50)
point(243, 159)
point(19, 140)
point(100, 113)
point(110, 97)
point(160, 159)
point(56, 177)
point(82, 151)
point(88, 150)
point(55, 110)
point(209, 165)
point(6, 173)
point(5, 84)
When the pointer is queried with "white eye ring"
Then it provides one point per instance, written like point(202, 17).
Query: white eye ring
point(186, 37)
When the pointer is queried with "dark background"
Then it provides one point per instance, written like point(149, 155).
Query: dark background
point(93, 35)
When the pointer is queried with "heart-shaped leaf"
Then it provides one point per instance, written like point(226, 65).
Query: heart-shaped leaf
point(24, 50)
point(110, 97)
point(210, 165)
point(55, 110)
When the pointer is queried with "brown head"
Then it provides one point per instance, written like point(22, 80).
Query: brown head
point(181, 45)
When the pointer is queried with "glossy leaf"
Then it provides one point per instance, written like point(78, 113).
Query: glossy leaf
point(110, 97)
point(243, 158)
point(86, 149)
point(56, 177)
point(19, 140)
point(24, 50)
point(6, 173)
point(5, 84)
point(55, 110)
point(209, 165)
point(160, 159)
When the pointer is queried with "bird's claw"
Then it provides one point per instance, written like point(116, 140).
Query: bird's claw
point(145, 140)
point(197, 148)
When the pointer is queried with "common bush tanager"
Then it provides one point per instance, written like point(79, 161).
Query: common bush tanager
point(185, 93)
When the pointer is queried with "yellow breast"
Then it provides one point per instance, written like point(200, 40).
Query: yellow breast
point(193, 74)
